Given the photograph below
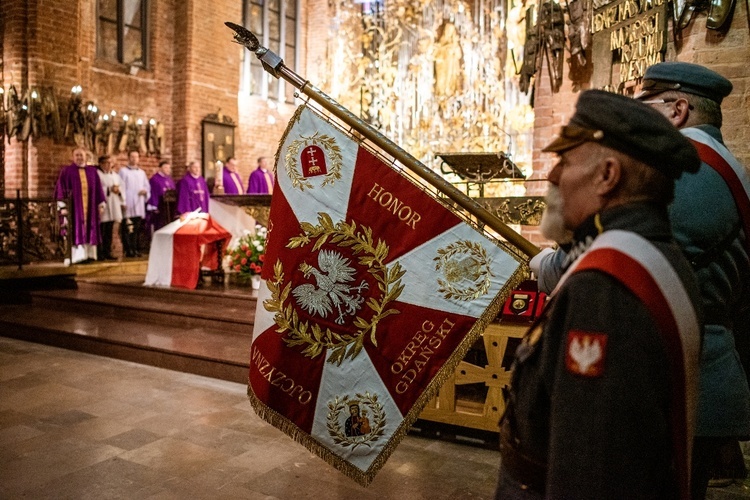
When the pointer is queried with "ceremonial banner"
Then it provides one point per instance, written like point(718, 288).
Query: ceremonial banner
point(372, 293)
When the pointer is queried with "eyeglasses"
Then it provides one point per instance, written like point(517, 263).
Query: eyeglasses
point(664, 101)
point(659, 101)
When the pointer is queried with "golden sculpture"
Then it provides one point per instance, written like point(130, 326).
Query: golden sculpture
point(449, 61)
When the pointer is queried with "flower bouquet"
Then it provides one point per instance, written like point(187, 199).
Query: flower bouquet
point(246, 258)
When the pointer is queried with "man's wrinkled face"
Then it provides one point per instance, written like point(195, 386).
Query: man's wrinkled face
point(573, 176)
point(79, 157)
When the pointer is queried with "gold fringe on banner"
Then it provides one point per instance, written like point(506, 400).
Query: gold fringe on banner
point(365, 477)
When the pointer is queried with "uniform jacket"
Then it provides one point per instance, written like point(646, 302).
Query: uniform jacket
point(605, 436)
point(703, 215)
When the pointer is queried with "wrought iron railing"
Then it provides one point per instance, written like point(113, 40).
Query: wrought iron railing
point(32, 230)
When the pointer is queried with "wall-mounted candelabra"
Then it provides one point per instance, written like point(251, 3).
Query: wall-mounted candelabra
point(36, 112)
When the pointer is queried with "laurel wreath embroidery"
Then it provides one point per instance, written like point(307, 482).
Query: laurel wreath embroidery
point(334, 427)
point(478, 252)
point(292, 155)
point(371, 255)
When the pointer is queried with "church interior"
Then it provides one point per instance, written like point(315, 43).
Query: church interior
point(113, 389)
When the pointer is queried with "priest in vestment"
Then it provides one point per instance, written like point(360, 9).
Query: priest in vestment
point(192, 190)
point(231, 179)
point(160, 182)
point(261, 179)
point(81, 184)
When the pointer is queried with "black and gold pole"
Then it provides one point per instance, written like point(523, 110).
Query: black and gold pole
point(274, 65)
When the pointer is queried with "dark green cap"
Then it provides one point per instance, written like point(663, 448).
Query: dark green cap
point(631, 127)
point(684, 77)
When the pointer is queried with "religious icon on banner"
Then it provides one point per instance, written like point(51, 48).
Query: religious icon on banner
point(373, 290)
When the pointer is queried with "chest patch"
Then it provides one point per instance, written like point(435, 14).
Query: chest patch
point(586, 353)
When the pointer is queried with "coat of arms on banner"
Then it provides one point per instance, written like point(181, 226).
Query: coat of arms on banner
point(372, 293)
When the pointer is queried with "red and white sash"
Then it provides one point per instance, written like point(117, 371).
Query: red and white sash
point(641, 268)
point(718, 157)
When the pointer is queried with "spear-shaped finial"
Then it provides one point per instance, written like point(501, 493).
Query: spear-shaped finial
point(244, 37)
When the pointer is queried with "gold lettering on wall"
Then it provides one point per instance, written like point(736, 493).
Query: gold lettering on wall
point(628, 37)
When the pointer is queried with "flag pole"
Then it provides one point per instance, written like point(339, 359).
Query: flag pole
point(274, 65)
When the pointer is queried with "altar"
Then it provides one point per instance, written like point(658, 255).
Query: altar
point(183, 247)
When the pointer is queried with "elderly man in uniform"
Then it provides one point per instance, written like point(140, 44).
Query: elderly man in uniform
point(711, 221)
point(603, 390)
point(710, 218)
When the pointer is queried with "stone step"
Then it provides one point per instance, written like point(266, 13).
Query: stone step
point(201, 350)
point(199, 295)
point(232, 312)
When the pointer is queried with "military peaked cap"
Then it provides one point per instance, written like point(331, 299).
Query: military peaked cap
point(628, 126)
point(684, 77)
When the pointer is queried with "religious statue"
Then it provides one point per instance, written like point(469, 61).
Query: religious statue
point(448, 61)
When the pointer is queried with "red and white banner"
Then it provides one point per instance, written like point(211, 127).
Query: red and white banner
point(175, 257)
point(372, 293)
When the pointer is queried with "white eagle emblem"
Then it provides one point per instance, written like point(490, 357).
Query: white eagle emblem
point(333, 288)
point(585, 352)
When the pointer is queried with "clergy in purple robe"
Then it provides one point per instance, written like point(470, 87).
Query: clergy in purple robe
point(192, 191)
point(261, 179)
point(231, 180)
point(161, 212)
point(81, 184)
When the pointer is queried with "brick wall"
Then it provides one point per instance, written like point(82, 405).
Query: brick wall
point(61, 36)
point(194, 71)
point(727, 54)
